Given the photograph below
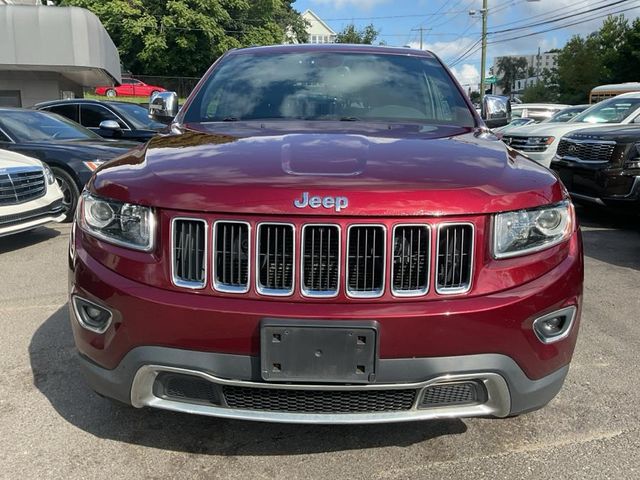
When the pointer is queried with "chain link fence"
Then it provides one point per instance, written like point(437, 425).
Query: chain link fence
point(181, 85)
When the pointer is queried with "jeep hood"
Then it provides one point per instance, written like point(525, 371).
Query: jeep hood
point(383, 170)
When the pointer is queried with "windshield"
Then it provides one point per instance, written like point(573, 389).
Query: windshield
point(137, 115)
point(33, 126)
point(330, 86)
point(565, 115)
point(614, 110)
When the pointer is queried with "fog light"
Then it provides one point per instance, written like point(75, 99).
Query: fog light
point(555, 325)
point(91, 316)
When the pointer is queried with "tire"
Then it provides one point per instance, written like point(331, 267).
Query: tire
point(111, 93)
point(70, 192)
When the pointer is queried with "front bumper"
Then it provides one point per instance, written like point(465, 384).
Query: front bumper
point(508, 390)
point(599, 184)
point(485, 340)
point(32, 215)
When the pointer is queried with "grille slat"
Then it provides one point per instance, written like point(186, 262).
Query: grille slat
point(19, 186)
point(231, 256)
point(410, 268)
point(586, 151)
point(320, 260)
point(454, 258)
point(276, 256)
point(522, 144)
point(318, 401)
point(366, 260)
point(189, 252)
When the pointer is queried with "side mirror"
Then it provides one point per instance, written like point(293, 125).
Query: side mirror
point(496, 111)
point(109, 125)
point(163, 106)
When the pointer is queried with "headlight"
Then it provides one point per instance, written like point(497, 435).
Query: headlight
point(633, 161)
point(48, 174)
point(540, 140)
point(528, 231)
point(116, 222)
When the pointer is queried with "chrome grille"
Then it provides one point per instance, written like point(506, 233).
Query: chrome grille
point(454, 258)
point(231, 256)
point(366, 260)
point(586, 151)
point(522, 144)
point(225, 254)
point(320, 274)
point(189, 252)
point(275, 257)
point(19, 185)
point(411, 249)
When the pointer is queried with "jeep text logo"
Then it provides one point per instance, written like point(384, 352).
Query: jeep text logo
point(338, 203)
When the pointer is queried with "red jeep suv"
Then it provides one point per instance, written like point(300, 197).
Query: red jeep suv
point(329, 234)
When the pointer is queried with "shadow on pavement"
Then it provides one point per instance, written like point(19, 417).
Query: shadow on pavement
point(26, 239)
point(57, 375)
point(611, 237)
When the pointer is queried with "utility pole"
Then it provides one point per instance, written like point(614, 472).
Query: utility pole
point(421, 30)
point(483, 63)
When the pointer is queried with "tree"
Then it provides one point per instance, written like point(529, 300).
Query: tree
point(474, 97)
point(610, 55)
point(350, 35)
point(629, 69)
point(539, 93)
point(580, 68)
point(509, 69)
point(183, 37)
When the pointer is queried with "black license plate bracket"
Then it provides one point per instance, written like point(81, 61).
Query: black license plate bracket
point(318, 351)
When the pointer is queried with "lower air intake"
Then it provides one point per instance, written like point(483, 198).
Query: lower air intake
point(461, 393)
point(315, 401)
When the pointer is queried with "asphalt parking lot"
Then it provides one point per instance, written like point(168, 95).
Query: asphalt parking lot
point(53, 426)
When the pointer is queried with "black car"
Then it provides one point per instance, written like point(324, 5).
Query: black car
point(72, 151)
point(601, 165)
point(121, 120)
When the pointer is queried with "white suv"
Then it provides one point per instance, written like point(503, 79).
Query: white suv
point(29, 194)
point(539, 142)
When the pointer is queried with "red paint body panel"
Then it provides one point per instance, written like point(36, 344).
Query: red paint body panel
point(261, 168)
point(497, 323)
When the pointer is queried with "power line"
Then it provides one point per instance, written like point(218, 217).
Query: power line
point(563, 26)
point(559, 19)
point(545, 14)
point(472, 50)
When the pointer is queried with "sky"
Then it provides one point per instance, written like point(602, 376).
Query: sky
point(454, 32)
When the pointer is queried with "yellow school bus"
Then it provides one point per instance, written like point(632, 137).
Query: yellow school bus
point(603, 92)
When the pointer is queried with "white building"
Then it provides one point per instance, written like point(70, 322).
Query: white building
point(318, 31)
point(536, 62)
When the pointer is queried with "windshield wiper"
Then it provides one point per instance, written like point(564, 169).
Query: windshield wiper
point(349, 119)
point(230, 119)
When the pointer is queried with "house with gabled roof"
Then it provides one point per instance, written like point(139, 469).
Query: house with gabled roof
point(318, 31)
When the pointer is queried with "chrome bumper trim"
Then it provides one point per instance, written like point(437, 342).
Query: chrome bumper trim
point(498, 402)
